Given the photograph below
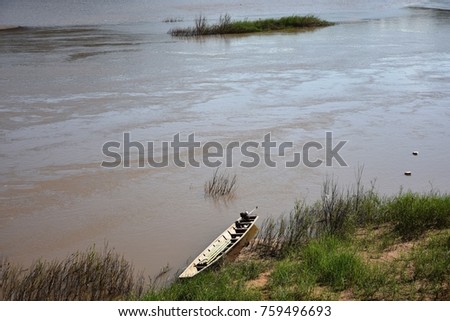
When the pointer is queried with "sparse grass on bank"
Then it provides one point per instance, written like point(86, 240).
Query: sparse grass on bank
point(228, 26)
point(431, 267)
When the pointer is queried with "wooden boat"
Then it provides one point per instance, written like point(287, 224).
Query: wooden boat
point(233, 238)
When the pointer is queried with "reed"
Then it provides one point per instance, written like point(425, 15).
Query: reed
point(276, 237)
point(338, 212)
point(172, 20)
point(221, 185)
point(89, 275)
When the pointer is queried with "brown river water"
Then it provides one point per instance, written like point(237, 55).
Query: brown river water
point(78, 75)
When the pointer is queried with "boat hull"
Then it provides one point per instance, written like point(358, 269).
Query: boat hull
point(228, 244)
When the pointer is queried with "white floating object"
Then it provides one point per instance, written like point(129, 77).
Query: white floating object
point(408, 173)
point(415, 153)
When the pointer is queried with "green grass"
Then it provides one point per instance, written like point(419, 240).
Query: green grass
point(333, 263)
point(290, 282)
point(432, 266)
point(228, 284)
point(413, 214)
point(330, 264)
point(227, 26)
point(422, 273)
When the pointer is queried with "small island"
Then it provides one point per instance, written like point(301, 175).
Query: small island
point(227, 26)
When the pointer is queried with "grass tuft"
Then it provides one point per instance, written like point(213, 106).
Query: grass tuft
point(413, 214)
point(333, 263)
point(329, 264)
point(221, 185)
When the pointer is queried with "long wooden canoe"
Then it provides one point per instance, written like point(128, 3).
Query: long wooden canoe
point(240, 232)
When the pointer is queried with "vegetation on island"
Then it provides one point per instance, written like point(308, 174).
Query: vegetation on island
point(352, 244)
point(228, 26)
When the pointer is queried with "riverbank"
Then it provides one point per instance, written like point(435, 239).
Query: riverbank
point(347, 246)
point(373, 265)
point(350, 245)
